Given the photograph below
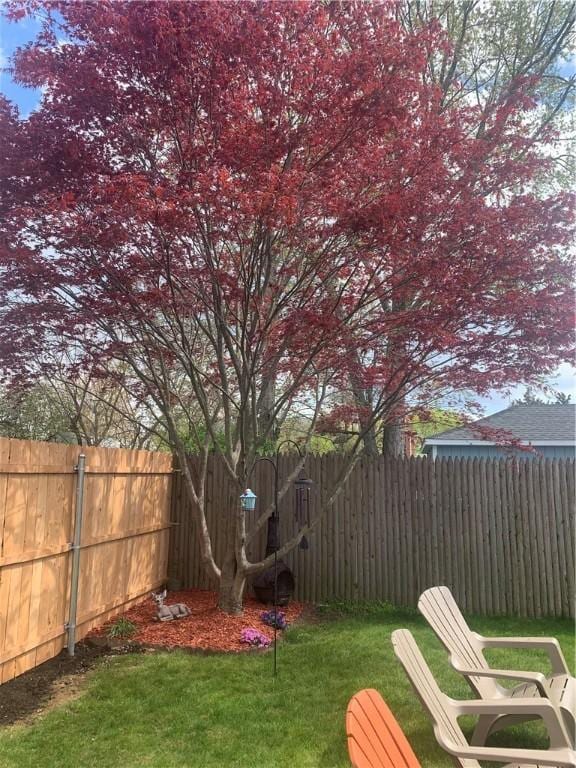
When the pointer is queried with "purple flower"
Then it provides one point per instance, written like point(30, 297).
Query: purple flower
point(255, 638)
point(274, 619)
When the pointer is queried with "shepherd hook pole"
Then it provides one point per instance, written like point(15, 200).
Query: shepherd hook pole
point(277, 516)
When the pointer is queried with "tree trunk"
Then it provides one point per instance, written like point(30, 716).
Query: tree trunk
point(393, 443)
point(363, 399)
point(231, 590)
point(232, 578)
point(370, 447)
point(266, 402)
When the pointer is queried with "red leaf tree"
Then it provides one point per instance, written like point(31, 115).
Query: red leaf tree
point(266, 201)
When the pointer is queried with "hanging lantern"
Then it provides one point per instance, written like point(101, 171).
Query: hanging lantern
point(248, 501)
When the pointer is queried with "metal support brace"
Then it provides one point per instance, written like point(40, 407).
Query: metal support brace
point(80, 470)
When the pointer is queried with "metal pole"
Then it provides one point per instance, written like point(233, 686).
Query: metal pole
point(273, 534)
point(276, 560)
point(71, 626)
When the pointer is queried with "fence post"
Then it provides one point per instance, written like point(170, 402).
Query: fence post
point(80, 469)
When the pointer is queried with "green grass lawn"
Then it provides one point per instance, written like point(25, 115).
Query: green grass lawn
point(179, 710)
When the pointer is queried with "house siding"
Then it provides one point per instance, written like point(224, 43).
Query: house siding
point(495, 452)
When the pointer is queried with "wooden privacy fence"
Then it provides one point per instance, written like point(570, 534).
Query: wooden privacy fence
point(123, 542)
point(499, 533)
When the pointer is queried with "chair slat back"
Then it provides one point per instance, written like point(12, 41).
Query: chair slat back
point(375, 740)
point(436, 703)
point(441, 611)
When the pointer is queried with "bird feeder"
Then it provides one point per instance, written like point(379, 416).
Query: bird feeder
point(248, 501)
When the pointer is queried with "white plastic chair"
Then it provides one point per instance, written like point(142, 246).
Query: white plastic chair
point(444, 713)
point(466, 647)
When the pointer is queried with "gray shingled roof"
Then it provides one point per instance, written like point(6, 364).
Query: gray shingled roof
point(526, 422)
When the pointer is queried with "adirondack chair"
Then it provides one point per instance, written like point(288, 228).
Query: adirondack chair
point(444, 713)
point(375, 740)
point(441, 612)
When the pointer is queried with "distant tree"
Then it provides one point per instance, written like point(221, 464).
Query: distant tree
point(563, 399)
point(499, 45)
point(530, 398)
point(34, 414)
point(82, 410)
point(297, 428)
point(436, 420)
point(496, 51)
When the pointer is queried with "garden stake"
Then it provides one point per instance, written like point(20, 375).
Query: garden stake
point(275, 585)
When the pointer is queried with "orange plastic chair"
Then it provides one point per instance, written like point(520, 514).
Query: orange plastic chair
point(375, 740)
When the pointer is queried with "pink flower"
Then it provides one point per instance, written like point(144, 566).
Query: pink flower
point(254, 637)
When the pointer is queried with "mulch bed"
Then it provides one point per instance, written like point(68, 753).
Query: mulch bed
point(206, 629)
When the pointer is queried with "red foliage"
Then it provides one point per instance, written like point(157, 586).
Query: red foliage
point(501, 437)
point(207, 628)
point(283, 169)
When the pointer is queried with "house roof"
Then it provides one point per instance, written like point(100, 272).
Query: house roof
point(533, 423)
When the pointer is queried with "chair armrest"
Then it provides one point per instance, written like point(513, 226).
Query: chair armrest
point(506, 674)
point(548, 644)
point(566, 758)
point(542, 708)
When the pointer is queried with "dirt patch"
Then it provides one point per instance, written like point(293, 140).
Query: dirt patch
point(48, 685)
point(207, 628)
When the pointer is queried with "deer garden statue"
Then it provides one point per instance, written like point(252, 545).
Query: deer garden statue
point(169, 612)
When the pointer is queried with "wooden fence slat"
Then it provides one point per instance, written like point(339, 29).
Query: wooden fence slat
point(421, 542)
point(567, 528)
point(406, 517)
point(433, 512)
point(389, 530)
point(536, 523)
point(492, 537)
point(528, 564)
point(449, 535)
point(384, 572)
point(478, 512)
point(512, 518)
point(462, 539)
point(326, 589)
point(547, 577)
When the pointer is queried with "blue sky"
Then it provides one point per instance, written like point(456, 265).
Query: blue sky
point(14, 35)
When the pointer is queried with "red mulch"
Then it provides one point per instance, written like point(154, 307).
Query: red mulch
point(207, 628)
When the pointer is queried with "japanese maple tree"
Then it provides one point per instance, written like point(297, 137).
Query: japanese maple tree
point(267, 201)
